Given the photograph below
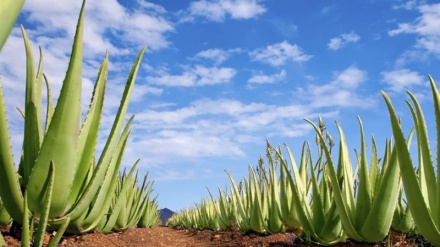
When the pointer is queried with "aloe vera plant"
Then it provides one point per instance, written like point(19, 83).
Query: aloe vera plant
point(224, 208)
point(366, 215)
point(151, 215)
point(319, 217)
point(82, 186)
point(422, 187)
point(135, 202)
point(250, 203)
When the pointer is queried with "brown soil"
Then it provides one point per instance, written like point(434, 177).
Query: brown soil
point(166, 236)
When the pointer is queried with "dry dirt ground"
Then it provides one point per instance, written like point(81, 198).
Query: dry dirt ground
point(166, 236)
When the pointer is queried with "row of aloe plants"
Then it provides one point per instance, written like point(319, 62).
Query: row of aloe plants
point(330, 199)
point(61, 183)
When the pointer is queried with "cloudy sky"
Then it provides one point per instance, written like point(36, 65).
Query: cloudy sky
point(222, 76)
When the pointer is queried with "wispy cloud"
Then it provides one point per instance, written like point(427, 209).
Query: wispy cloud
point(261, 78)
point(217, 56)
point(278, 54)
point(411, 4)
point(425, 27)
point(342, 40)
point(194, 76)
point(401, 79)
point(218, 10)
point(223, 117)
point(342, 91)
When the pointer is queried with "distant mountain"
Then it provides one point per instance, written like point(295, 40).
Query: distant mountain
point(165, 214)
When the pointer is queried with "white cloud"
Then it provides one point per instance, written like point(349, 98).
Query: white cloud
point(217, 10)
point(425, 27)
point(342, 40)
point(140, 91)
point(218, 56)
point(278, 54)
point(211, 128)
point(401, 79)
point(136, 27)
point(154, 8)
point(196, 76)
point(172, 174)
point(261, 78)
point(340, 92)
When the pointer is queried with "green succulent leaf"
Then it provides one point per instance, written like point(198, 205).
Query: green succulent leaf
point(61, 140)
point(9, 11)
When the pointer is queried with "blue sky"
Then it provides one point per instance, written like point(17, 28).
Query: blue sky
point(222, 76)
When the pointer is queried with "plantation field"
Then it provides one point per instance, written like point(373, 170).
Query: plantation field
point(65, 194)
point(175, 237)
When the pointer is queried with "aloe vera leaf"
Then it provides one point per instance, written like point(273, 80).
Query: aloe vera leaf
point(123, 221)
point(325, 218)
point(109, 147)
point(332, 230)
point(419, 210)
point(39, 93)
point(105, 195)
point(421, 159)
point(347, 179)
point(426, 166)
point(317, 207)
point(32, 124)
point(380, 216)
point(238, 204)
point(139, 202)
point(374, 167)
point(26, 230)
point(287, 213)
point(10, 191)
point(89, 132)
point(303, 167)
point(142, 200)
point(364, 201)
point(49, 108)
point(119, 218)
point(2, 240)
point(436, 97)
point(5, 218)
point(301, 180)
point(9, 188)
point(299, 205)
point(60, 142)
point(60, 231)
point(9, 11)
point(275, 224)
point(42, 224)
point(256, 216)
